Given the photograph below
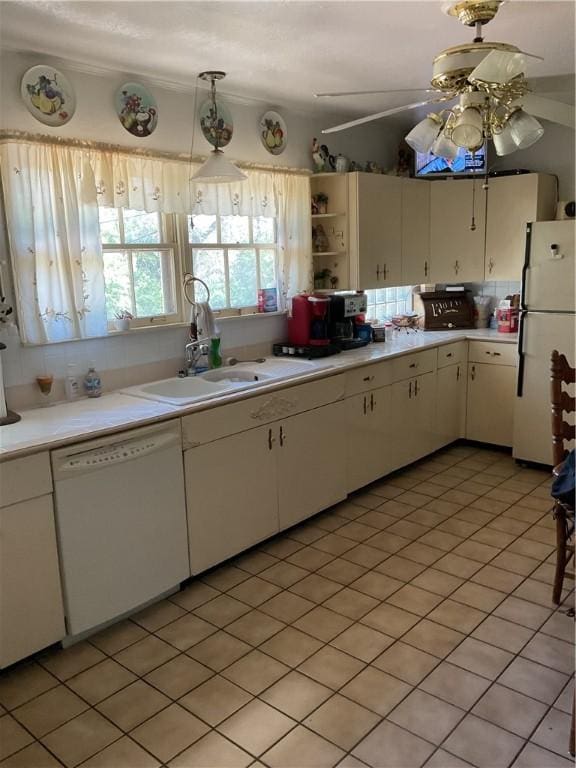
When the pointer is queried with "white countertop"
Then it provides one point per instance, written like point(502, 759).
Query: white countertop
point(66, 423)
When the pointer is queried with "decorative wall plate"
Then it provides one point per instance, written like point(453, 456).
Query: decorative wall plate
point(217, 129)
point(273, 133)
point(136, 109)
point(48, 95)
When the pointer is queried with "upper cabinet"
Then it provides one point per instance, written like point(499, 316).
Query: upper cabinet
point(375, 204)
point(457, 231)
point(513, 201)
point(415, 232)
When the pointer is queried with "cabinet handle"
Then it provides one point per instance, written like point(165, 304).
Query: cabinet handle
point(377, 272)
point(371, 402)
point(456, 266)
point(271, 440)
point(473, 372)
point(410, 390)
point(413, 365)
point(364, 405)
point(458, 373)
point(368, 378)
point(384, 272)
point(282, 437)
point(493, 354)
point(416, 388)
point(490, 266)
point(425, 269)
point(448, 354)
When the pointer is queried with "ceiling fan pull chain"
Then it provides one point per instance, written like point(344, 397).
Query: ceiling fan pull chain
point(473, 221)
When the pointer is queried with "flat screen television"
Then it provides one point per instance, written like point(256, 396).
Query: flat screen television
point(465, 164)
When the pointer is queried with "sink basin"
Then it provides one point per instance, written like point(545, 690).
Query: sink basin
point(234, 374)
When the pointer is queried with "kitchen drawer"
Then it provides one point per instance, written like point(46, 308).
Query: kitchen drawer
point(26, 478)
point(368, 377)
point(492, 352)
point(203, 427)
point(407, 366)
point(449, 354)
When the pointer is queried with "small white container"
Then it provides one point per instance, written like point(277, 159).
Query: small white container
point(122, 324)
point(72, 383)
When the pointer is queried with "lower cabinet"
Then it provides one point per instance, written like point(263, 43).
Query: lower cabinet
point(450, 404)
point(246, 487)
point(31, 611)
point(413, 418)
point(490, 403)
point(230, 495)
point(370, 437)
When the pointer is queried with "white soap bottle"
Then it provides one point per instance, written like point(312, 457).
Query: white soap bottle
point(72, 383)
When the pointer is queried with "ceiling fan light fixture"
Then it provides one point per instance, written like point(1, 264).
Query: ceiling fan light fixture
point(444, 147)
point(524, 129)
point(504, 142)
point(468, 131)
point(218, 170)
point(424, 134)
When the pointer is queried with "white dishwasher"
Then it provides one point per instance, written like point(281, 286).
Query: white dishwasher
point(121, 522)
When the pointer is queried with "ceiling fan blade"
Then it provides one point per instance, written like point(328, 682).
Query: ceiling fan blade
point(501, 66)
point(369, 93)
point(378, 115)
point(547, 109)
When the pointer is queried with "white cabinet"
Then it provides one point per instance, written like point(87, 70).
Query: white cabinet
point(451, 403)
point(230, 495)
point(31, 611)
point(457, 230)
point(311, 462)
point(413, 419)
point(375, 203)
point(370, 437)
point(513, 201)
point(415, 231)
point(490, 403)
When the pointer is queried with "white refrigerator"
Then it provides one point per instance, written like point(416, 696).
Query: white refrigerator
point(547, 322)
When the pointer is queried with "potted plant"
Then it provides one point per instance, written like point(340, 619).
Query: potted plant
point(321, 202)
point(122, 321)
point(322, 279)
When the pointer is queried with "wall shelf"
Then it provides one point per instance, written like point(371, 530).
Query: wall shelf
point(326, 215)
point(328, 253)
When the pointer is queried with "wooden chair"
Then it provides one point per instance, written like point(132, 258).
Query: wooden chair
point(562, 403)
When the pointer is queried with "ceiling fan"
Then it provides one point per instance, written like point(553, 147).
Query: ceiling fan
point(486, 92)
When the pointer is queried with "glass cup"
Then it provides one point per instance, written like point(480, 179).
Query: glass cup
point(45, 382)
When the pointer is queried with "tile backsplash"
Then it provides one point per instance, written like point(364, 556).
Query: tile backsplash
point(499, 290)
point(124, 359)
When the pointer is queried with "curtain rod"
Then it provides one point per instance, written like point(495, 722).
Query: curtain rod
point(38, 138)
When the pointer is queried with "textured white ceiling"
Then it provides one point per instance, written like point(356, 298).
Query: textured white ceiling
point(281, 52)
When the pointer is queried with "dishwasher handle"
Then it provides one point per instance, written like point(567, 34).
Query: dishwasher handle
point(115, 453)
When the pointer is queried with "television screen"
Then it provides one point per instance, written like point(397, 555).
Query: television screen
point(465, 163)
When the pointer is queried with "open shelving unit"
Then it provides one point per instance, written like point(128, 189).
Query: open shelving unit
point(335, 225)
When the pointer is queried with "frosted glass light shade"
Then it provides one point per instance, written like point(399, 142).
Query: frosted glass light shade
point(467, 131)
point(218, 170)
point(444, 147)
point(423, 135)
point(499, 67)
point(504, 142)
point(524, 129)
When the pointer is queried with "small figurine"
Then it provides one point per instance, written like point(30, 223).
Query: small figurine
point(317, 156)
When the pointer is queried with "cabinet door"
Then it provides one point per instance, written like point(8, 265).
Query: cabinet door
point(423, 417)
point(490, 403)
point(311, 455)
point(513, 201)
point(31, 612)
point(415, 231)
point(230, 495)
point(457, 251)
point(403, 409)
point(375, 212)
point(450, 404)
point(369, 433)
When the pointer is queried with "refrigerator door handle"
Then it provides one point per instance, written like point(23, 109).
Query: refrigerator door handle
point(525, 267)
point(521, 360)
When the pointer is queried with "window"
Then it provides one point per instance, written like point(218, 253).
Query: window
point(235, 256)
point(140, 265)
point(383, 303)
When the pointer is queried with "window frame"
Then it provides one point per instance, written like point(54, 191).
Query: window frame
point(169, 243)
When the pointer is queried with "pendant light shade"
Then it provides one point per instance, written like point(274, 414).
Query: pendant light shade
point(504, 142)
point(218, 170)
point(444, 147)
point(423, 135)
point(468, 129)
point(524, 129)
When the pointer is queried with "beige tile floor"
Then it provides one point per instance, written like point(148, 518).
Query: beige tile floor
point(410, 625)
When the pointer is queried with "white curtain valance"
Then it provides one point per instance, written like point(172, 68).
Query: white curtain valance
point(153, 184)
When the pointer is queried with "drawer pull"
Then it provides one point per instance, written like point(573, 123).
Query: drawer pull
point(449, 354)
point(413, 365)
point(371, 402)
point(473, 372)
point(282, 437)
point(458, 373)
point(368, 378)
point(271, 440)
point(364, 405)
point(410, 390)
point(493, 354)
point(425, 269)
point(416, 388)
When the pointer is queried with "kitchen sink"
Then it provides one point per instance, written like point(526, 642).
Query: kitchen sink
point(220, 381)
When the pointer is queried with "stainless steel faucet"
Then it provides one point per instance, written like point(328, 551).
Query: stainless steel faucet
point(193, 351)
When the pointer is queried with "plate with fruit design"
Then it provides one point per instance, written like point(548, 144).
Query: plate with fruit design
point(48, 95)
point(273, 133)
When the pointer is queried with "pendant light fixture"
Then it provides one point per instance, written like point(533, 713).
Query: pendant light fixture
point(216, 169)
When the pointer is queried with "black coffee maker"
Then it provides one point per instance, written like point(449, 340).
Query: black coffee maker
point(344, 307)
